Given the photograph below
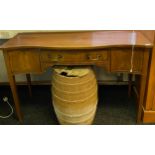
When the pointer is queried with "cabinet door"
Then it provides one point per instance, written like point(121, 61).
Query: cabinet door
point(150, 93)
point(121, 60)
point(24, 61)
point(153, 101)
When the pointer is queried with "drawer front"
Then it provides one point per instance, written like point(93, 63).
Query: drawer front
point(74, 56)
point(24, 61)
point(121, 60)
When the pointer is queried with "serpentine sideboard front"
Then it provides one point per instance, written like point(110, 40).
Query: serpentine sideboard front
point(114, 51)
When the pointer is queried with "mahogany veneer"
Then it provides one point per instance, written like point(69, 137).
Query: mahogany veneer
point(114, 51)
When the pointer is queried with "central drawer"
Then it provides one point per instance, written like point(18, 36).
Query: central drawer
point(74, 57)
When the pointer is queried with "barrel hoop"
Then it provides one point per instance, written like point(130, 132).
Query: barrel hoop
point(53, 85)
point(75, 100)
point(72, 84)
point(94, 107)
point(77, 122)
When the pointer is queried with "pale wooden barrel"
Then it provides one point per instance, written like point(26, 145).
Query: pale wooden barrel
point(74, 94)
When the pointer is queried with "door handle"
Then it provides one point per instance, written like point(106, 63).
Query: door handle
point(90, 57)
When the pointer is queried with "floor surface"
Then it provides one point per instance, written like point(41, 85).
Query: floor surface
point(114, 107)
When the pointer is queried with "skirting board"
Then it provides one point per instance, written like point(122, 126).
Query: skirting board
point(148, 116)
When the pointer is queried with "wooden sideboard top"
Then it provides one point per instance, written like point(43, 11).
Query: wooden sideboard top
point(78, 40)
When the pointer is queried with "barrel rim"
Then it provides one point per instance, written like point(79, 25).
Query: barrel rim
point(90, 70)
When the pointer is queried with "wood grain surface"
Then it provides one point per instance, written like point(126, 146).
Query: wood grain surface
point(78, 40)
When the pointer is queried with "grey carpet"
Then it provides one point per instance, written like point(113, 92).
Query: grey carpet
point(114, 106)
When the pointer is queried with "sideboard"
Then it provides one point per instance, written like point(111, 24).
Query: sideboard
point(115, 51)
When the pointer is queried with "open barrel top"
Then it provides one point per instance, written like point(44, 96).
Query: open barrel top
point(78, 40)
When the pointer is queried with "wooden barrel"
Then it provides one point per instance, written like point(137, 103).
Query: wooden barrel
point(74, 94)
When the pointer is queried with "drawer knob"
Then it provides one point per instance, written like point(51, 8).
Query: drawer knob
point(90, 57)
point(58, 56)
point(49, 56)
point(55, 58)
